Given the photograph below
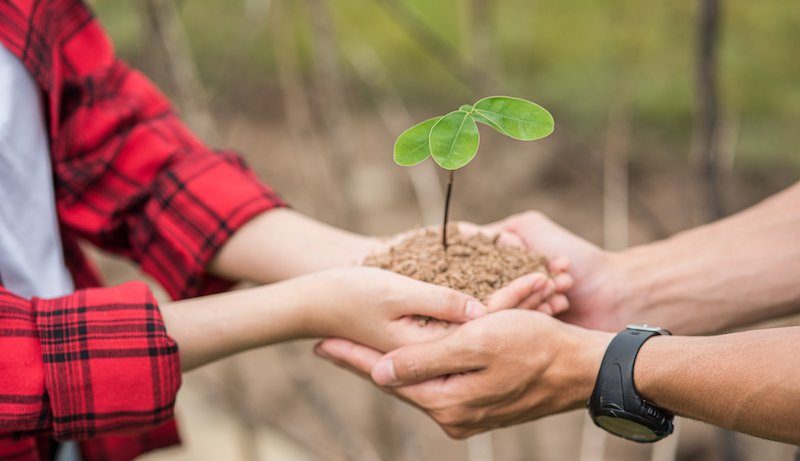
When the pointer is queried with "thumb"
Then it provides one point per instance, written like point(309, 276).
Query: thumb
point(441, 303)
point(421, 362)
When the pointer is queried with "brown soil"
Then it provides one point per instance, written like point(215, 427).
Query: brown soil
point(474, 264)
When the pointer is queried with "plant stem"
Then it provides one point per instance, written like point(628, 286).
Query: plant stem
point(447, 209)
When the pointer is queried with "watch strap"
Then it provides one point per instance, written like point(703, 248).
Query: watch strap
point(615, 391)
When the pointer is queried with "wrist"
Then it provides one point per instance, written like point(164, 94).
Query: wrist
point(302, 299)
point(583, 354)
point(323, 300)
point(633, 275)
point(655, 360)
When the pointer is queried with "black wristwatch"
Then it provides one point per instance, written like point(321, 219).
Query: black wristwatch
point(615, 405)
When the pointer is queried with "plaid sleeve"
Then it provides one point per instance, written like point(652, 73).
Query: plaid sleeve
point(132, 179)
point(96, 361)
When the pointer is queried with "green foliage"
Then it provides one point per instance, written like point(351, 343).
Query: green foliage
point(514, 117)
point(412, 145)
point(452, 140)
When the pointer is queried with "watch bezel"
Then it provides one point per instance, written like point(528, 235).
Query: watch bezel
point(632, 417)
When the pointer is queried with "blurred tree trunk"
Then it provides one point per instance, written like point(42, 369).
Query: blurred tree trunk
point(615, 232)
point(396, 118)
point(430, 40)
point(330, 104)
point(706, 143)
point(162, 24)
point(324, 192)
point(706, 153)
point(477, 44)
point(615, 180)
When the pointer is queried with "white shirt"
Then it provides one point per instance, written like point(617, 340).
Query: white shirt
point(31, 256)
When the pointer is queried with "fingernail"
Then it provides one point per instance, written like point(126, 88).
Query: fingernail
point(383, 373)
point(321, 352)
point(474, 309)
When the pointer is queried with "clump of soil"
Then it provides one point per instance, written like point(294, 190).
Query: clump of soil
point(474, 264)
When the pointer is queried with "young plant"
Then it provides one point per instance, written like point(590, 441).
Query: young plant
point(452, 139)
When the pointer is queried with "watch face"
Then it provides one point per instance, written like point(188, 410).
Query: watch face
point(626, 428)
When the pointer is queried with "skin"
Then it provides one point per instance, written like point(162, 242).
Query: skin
point(290, 244)
point(317, 291)
point(678, 283)
point(368, 305)
point(514, 366)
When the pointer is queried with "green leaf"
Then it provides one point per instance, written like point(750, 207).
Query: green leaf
point(412, 145)
point(514, 117)
point(454, 140)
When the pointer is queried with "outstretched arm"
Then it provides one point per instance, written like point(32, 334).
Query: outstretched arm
point(514, 366)
point(748, 382)
point(280, 244)
point(733, 272)
point(730, 273)
point(109, 359)
point(367, 305)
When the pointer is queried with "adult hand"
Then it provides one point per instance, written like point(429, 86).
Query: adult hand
point(501, 369)
point(382, 309)
point(599, 286)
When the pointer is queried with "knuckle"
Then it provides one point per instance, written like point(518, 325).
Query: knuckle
point(456, 433)
point(411, 368)
point(454, 299)
point(450, 417)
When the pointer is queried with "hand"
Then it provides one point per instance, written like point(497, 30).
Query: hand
point(598, 285)
point(505, 368)
point(533, 291)
point(382, 309)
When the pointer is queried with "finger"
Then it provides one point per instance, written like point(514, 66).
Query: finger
point(510, 240)
point(460, 433)
point(442, 392)
point(534, 301)
point(549, 289)
point(517, 292)
point(469, 229)
point(347, 353)
point(559, 264)
point(502, 225)
point(412, 329)
point(545, 308)
point(563, 282)
point(513, 294)
point(420, 362)
point(559, 303)
point(440, 303)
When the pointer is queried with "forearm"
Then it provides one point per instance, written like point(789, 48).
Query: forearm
point(213, 327)
point(748, 382)
point(282, 243)
point(730, 273)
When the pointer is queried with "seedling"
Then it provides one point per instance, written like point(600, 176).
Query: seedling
point(452, 139)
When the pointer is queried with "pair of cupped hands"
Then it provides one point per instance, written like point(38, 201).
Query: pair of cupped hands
point(479, 366)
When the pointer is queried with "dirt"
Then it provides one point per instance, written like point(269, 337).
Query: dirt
point(475, 264)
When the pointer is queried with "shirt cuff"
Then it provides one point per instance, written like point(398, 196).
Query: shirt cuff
point(198, 205)
point(108, 362)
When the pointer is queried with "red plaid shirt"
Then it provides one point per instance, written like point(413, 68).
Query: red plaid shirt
point(131, 179)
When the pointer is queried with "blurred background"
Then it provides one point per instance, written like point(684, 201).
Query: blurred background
point(668, 114)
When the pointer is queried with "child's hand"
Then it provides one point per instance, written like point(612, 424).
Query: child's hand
point(383, 310)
